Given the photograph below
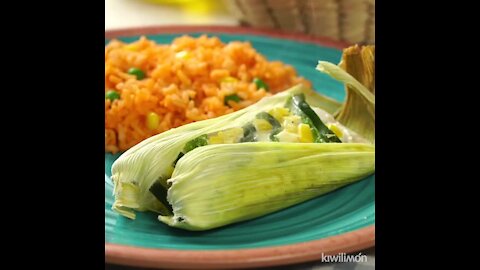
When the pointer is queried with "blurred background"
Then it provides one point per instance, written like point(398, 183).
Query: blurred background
point(352, 21)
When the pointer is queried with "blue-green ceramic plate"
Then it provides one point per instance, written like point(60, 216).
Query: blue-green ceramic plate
point(341, 221)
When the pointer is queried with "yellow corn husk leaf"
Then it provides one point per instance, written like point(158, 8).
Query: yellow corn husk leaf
point(259, 178)
point(358, 74)
point(142, 165)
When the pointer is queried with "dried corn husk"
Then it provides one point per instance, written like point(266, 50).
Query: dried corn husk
point(357, 72)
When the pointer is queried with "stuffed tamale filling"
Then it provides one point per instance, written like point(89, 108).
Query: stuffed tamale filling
point(295, 122)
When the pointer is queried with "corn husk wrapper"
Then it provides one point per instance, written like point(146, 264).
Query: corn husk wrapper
point(136, 170)
point(258, 179)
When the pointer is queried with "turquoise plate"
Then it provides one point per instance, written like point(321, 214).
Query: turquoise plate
point(349, 211)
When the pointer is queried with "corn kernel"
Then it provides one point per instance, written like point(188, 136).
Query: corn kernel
point(153, 120)
point(285, 136)
point(229, 79)
point(335, 129)
point(215, 140)
point(279, 113)
point(132, 47)
point(291, 123)
point(182, 55)
point(262, 124)
point(231, 135)
point(305, 133)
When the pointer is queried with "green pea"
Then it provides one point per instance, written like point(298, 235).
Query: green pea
point(233, 97)
point(137, 72)
point(260, 84)
point(112, 95)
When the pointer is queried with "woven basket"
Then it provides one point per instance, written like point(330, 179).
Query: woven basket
point(352, 21)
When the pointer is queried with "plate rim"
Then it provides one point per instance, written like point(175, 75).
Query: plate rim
point(349, 242)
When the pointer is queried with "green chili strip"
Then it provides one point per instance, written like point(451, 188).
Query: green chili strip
point(160, 192)
point(232, 97)
point(276, 126)
point(300, 107)
point(248, 133)
point(197, 142)
point(260, 84)
point(180, 155)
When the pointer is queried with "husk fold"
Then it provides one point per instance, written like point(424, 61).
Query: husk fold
point(357, 72)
